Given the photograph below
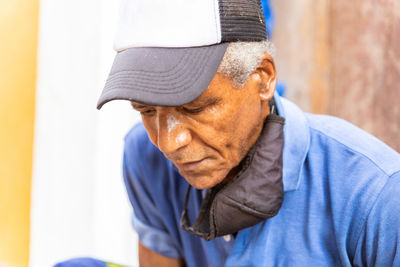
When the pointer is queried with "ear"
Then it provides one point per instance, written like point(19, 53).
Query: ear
point(267, 74)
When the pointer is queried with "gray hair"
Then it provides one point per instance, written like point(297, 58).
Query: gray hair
point(242, 58)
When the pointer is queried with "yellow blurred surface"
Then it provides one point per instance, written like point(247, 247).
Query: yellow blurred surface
point(18, 52)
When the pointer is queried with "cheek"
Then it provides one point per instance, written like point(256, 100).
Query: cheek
point(151, 130)
point(240, 130)
point(222, 136)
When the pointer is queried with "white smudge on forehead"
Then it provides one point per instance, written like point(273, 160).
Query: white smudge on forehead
point(172, 122)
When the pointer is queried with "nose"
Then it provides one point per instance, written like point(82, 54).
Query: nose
point(172, 133)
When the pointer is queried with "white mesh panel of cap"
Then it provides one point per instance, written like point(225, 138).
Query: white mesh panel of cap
point(172, 23)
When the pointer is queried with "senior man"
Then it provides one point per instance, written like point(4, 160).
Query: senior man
point(223, 171)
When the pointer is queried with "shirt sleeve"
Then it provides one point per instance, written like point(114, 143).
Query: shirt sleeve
point(147, 219)
point(379, 242)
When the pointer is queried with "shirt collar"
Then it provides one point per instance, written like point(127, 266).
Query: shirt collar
point(296, 142)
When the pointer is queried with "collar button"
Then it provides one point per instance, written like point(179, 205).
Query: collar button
point(227, 238)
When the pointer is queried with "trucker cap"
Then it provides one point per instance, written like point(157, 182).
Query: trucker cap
point(169, 51)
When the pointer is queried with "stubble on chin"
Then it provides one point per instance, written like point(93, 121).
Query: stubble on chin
point(204, 180)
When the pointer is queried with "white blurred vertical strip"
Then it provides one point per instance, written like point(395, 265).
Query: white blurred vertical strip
point(112, 210)
point(79, 204)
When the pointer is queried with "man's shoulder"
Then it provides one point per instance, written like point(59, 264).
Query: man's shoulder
point(137, 140)
point(137, 134)
point(359, 173)
point(349, 138)
point(139, 150)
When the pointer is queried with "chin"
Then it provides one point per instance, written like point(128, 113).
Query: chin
point(200, 181)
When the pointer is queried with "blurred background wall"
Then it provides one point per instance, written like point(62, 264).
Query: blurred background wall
point(79, 203)
point(342, 58)
point(61, 187)
point(18, 35)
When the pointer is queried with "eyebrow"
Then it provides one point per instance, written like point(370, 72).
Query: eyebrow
point(208, 101)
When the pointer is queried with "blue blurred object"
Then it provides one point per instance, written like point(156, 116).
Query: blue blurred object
point(82, 262)
point(269, 16)
point(281, 88)
point(269, 23)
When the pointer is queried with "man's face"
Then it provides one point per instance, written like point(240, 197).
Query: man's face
point(208, 137)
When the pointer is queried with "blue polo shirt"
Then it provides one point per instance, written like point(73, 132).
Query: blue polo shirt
point(341, 201)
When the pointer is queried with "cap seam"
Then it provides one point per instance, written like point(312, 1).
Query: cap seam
point(199, 53)
point(148, 89)
point(170, 70)
point(142, 73)
point(173, 77)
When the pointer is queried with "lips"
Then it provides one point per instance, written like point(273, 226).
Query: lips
point(190, 166)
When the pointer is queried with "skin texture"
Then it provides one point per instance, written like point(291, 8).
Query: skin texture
point(207, 138)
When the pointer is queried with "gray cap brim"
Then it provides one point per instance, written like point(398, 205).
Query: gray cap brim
point(162, 76)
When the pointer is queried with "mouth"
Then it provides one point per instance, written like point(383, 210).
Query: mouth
point(190, 165)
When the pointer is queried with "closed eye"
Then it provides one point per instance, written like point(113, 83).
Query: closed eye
point(205, 103)
point(143, 109)
point(193, 110)
point(147, 112)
